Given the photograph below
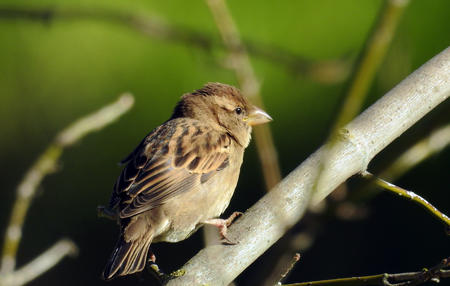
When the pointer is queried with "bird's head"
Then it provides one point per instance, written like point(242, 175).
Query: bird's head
point(225, 108)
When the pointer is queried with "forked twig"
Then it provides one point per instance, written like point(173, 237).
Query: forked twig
point(44, 165)
point(40, 264)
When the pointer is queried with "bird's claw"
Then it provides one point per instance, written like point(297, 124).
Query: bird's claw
point(223, 225)
point(232, 217)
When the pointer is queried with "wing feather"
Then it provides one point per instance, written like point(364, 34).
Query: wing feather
point(174, 158)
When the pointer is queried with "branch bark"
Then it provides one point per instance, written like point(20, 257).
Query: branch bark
point(350, 153)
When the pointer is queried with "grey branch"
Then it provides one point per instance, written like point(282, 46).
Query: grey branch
point(358, 142)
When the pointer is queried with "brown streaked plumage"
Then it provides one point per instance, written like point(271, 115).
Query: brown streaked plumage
point(182, 175)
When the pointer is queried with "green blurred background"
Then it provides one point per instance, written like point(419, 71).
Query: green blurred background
point(53, 72)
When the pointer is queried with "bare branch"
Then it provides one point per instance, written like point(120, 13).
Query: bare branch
point(328, 71)
point(40, 264)
point(425, 148)
point(95, 121)
point(400, 279)
point(359, 141)
point(410, 195)
point(47, 164)
point(434, 143)
point(370, 60)
point(250, 86)
point(291, 265)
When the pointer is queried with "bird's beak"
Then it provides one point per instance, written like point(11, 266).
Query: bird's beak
point(257, 116)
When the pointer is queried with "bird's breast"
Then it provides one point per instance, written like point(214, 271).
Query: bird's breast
point(187, 211)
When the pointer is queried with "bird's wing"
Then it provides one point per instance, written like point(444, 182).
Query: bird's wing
point(175, 158)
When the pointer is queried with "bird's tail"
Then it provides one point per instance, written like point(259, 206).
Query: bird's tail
point(127, 258)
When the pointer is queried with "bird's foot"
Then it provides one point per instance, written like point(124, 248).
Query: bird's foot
point(222, 225)
point(232, 217)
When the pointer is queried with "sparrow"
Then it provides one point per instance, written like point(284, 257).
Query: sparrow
point(182, 175)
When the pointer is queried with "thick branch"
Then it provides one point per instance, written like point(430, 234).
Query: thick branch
point(362, 77)
point(359, 141)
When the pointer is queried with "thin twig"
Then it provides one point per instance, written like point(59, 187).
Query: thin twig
point(47, 164)
point(419, 152)
point(400, 279)
point(364, 72)
point(40, 264)
point(434, 143)
point(291, 265)
point(410, 195)
point(360, 140)
point(327, 71)
point(250, 86)
point(371, 58)
point(292, 242)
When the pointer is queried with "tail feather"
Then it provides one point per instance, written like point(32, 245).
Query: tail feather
point(127, 258)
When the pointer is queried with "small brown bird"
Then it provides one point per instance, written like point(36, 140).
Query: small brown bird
point(182, 175)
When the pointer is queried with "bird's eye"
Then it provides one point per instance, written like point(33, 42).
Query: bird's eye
point(238, 110)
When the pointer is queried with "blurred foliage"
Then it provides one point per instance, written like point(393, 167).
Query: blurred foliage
point(56, 71)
